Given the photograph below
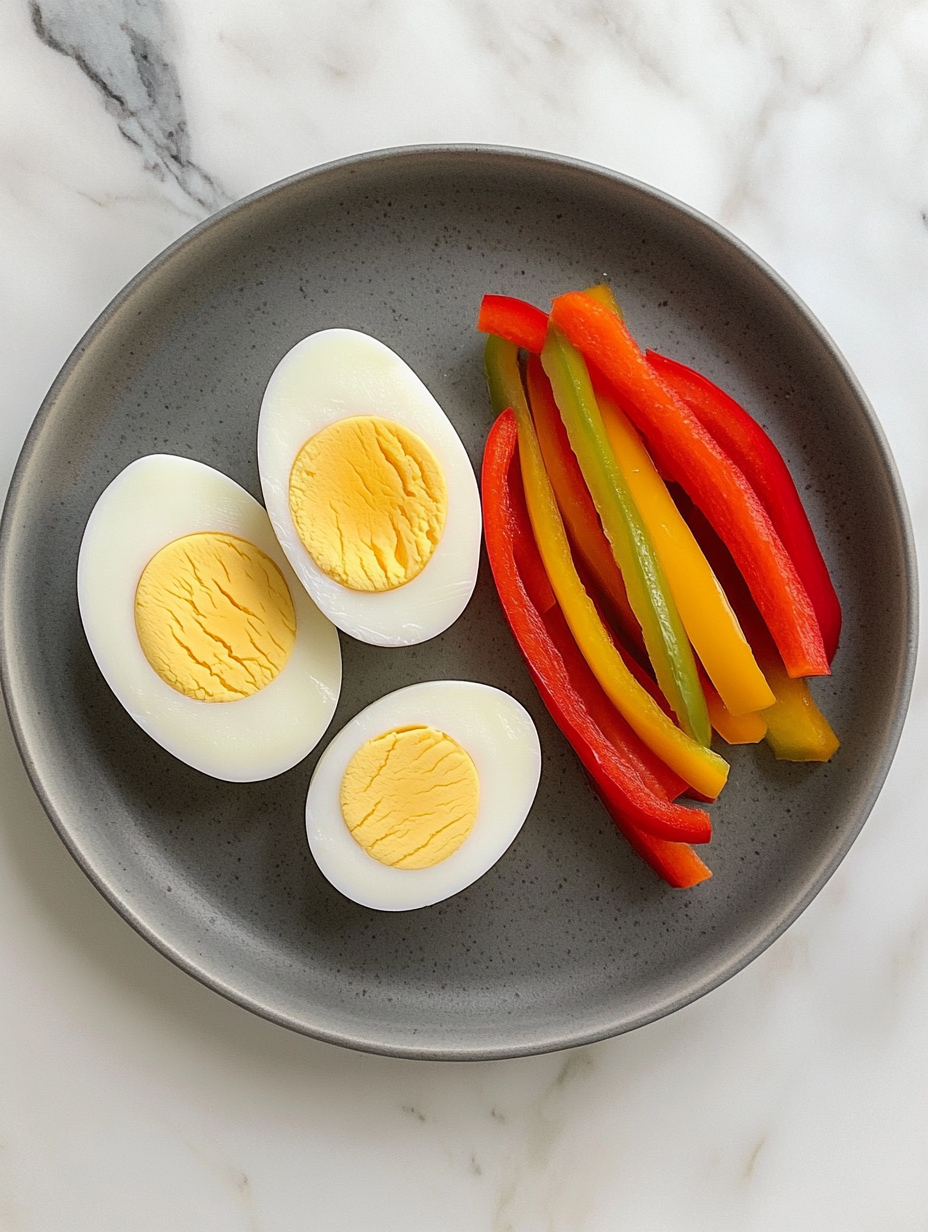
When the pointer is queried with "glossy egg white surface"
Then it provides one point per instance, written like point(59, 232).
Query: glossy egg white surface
point(336, 374)
point(154, 501)
point(497, 732)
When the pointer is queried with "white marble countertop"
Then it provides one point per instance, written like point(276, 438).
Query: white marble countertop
point(793, 1097)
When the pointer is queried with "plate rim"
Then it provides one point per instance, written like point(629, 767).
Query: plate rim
point(474, 1050)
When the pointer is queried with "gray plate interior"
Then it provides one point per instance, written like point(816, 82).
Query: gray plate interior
point(569, 938)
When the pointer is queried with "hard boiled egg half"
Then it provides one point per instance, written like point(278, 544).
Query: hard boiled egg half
point(369, 489)
point(421, 793)
point(198, 624)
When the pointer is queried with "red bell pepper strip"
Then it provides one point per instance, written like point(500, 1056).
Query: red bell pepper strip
point(513, 319)
point(532, 571)
point(754, 453)
point(618, 767)
point(693, 457)
point(677, 863)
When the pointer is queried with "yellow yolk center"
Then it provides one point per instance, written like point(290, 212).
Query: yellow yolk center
point(369, 501)
point(214, 617)
point(410, 797)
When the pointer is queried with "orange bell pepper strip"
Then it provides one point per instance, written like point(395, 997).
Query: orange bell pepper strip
point(696, 764)
point(683, 448)
point(707, 616)
point(604, 294)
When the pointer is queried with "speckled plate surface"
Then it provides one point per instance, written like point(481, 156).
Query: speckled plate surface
point(570, 938)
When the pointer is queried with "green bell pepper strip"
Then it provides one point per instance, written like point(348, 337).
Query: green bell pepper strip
point(504, 379)
point(648, 590)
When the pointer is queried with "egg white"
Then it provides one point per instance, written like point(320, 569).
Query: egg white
point(333, 375)
point(154, 501)
point(499, 735)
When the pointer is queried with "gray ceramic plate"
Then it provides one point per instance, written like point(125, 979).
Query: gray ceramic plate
point(569, 938)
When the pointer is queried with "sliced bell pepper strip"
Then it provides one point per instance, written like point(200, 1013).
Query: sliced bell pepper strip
point(532, 571)
point(693, 457)
point(699, 766)
point(749, 728)
point(796, 728)
point(618, 768)
point(576, 504)
point(504, 378)
point(752, 450)
point(648, 591)
point(707, 616)
point(513, 319)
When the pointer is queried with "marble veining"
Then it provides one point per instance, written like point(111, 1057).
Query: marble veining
point(795, 1096)
point(125, 48)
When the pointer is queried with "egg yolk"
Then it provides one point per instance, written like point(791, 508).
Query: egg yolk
point(214, 617)
point(369, 500)
point(410, 796)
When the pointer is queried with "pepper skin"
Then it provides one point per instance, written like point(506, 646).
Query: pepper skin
point(517, 321)
point(677, 863)
point(748, 728)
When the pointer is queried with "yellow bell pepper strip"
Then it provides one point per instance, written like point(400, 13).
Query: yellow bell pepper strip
point(648, 591)
point(604, 294)
point(747, 728)
point(707, 616)
point(683, 447)
point(796, 728)
point(577, 509)
point(504, 381)
point(700, 767)
point(502, 476)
